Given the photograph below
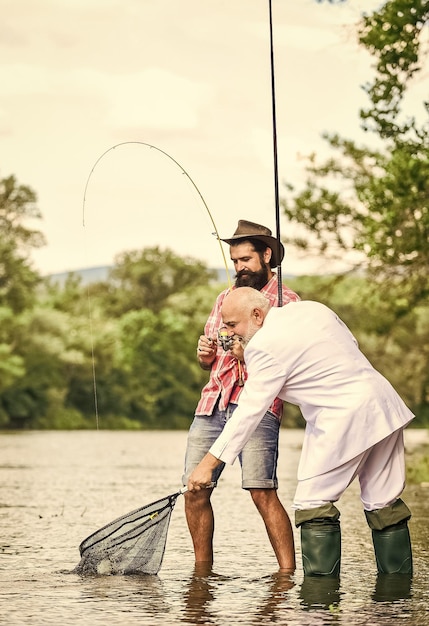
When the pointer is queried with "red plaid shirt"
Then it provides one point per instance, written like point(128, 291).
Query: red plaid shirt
point(224, 374)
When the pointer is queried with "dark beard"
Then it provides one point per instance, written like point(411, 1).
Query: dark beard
point(257, 280)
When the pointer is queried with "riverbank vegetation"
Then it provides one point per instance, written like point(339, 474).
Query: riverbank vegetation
point(121, 353)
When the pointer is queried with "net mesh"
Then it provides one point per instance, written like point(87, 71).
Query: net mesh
point(133, 543)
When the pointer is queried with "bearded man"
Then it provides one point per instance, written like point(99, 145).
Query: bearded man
point(254, 253)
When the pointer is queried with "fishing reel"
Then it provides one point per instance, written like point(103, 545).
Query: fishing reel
point(225, 340)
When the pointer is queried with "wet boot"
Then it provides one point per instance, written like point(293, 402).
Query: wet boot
point(320, 540)
point(391, 538)
point(392, 547)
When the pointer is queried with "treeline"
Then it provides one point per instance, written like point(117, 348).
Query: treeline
point(115, 354)
point(121, 353)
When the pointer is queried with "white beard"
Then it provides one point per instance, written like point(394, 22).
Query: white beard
point(251, 330)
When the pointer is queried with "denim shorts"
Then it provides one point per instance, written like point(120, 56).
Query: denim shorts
point(258, 458)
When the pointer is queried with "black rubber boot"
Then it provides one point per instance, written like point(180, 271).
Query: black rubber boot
point(392, 547)
point(321, 547)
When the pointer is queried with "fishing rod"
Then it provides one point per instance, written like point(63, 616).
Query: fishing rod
point(276, 175)
point(216, 233)
point(182, 169)
point(276, 183)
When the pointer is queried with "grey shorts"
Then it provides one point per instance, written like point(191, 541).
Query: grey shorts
point(258, 458)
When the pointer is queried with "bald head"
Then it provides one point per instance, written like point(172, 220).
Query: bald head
point(245, 299)
point(244, 310)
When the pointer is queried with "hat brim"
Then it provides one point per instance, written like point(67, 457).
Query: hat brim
point(271, 242)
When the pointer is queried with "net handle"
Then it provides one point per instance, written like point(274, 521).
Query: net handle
point(209, 486)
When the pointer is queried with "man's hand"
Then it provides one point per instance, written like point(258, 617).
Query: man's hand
point(237, 349)
point(201, 477)
point(206, 351)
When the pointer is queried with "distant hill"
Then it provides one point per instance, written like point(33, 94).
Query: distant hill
point(96, 274)
point(88, 275)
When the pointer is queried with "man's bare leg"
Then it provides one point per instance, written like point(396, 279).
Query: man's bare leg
point(200, 519)
point(278, 525)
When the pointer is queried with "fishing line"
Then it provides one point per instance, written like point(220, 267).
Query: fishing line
point(276, 195)
point(216, 233)
point(91, 334)
point(148, 145)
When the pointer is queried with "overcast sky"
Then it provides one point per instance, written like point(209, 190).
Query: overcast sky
point(190, 77)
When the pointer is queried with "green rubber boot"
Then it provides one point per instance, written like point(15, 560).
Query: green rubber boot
point(321, 547)
point(392, 547)
point(391, 538)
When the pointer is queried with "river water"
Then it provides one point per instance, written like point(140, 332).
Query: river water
point(56, 488)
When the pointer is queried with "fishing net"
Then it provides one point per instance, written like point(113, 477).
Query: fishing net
point(132, 544)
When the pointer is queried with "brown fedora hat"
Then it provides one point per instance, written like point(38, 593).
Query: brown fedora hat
point(250, 230)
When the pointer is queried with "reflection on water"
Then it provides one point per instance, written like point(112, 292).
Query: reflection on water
point(205, 585)
point(57, 488)
point(198, 595)
point(145, 594)
point(320, 592)
point(392, 588)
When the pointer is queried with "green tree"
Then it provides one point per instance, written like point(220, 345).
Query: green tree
point(135, 370)
point(18, 280)
point(145, 279)
point(46, 342)
point(12, 366)
point(81, 341)
point(156, 352)
point(372, 205)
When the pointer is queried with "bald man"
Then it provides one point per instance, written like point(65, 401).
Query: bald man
point(304, 354)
